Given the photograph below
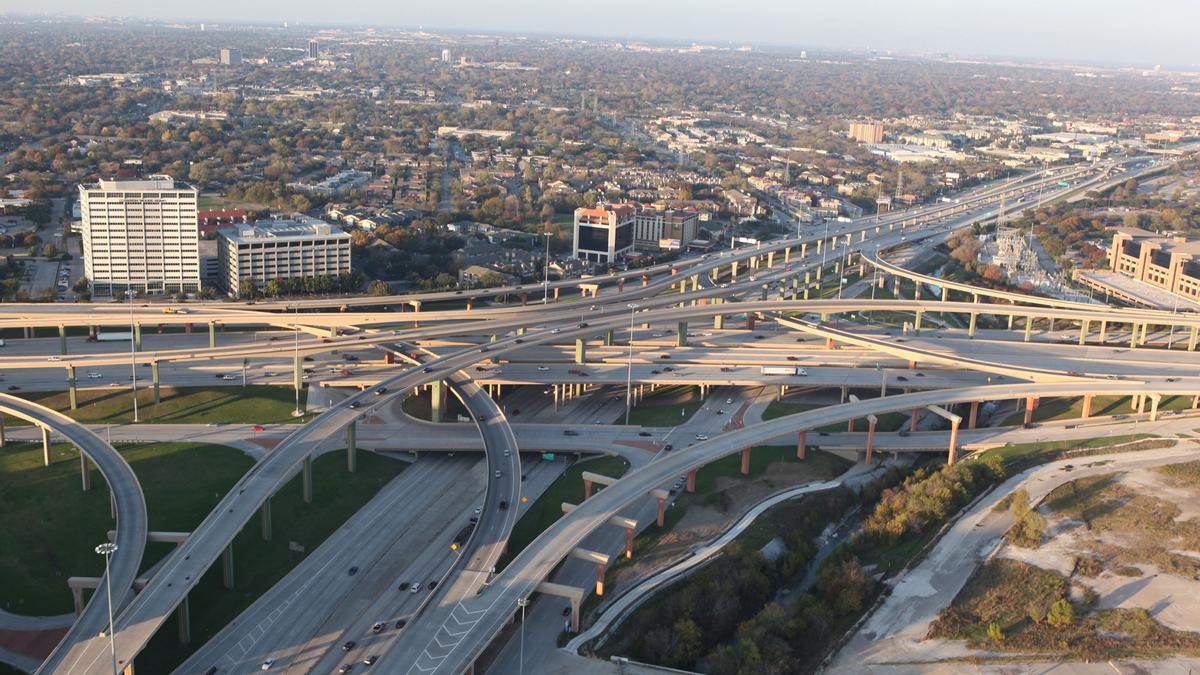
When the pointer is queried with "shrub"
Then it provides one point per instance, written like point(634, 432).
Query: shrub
point(1036, 612)
point(994, 633)
point(1061, 613)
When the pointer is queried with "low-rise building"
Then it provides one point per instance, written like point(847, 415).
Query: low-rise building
point(280, 249)
point(655, 230)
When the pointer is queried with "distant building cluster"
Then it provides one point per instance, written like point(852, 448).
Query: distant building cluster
point(339, 183)
point(606, 232)
point(1148, 269)
point(866, 132)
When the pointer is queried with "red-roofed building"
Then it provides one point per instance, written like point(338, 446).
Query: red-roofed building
point(209, 221)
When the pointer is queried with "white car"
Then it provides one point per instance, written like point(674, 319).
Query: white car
point(267, 664)
point(728, 401)
point(542, 369)
point(228, 378)
point(54, 358)
point(802, 372)
point(94, 376)
point(702, 437)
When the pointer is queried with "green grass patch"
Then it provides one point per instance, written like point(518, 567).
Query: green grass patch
point(653, 411)
point(1072, 408)
point(420, 407)
point(258, 404)
point(548, 507)
point(51, 526)
point(1017, 456)
point(1003, 591)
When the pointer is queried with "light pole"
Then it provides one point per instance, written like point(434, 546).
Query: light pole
point(546, 271)
point(629, 365)
point(824, 252)
point(296, 365)
point(107, 549)
point(522, 602)
point(133, 353)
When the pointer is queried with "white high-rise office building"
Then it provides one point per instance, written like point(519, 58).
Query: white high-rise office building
point(445, 56)
point(140, 234)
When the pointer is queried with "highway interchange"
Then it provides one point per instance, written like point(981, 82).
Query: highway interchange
point(301, 623)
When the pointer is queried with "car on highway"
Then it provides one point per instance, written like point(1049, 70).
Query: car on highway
point(644, 433)
point(348, 645)
point(94, 376)
point(381, 391)
point(499, 473)
point(503, 505)
point(566, 432)
point(507, 452)
point(354, 405)
point(542, 369)
point(54, 358)
point(481, 418)
point(370, 660)
point(346, 667)
point(352, 571)
point(433, 584)
point(427, 369)
point(404, 586)
point(378, 627)
point(228, 378)
point(266, 665)
point(729, 401)
point(702, 437)
point(401, 623)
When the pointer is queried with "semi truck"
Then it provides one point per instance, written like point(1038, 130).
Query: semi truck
point(111, 337)
point(784, 370)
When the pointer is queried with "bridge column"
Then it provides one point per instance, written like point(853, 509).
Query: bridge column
point(580, 351)
point(608, 338)
point(952, 455)
point(912, 418)
point(1031, 403)
point(72, 392)
point(745, 461)
point(1028, 327)
point(681, 334)
point(587, 489)
point(691, 481)
point(184, 615)
point(973, 415)
point(1104, 330)
point(352, 446)
point(871, 421)
point(2, 439)
point(599, 579)
point(1010, 321)
point(971, 326)
point(62, 339)
point(662, 511)
point(718, 319)
point(787, 255)
point(45, 446)
point(470, 303)
point(1087, 406)
point(733, 270)
point(1154, 401)
point(1083, 331)
point(265, 511)
point(137, 337)
point(85, 472)
point(917, 322)
point(227, 567)
point(154, 380)
point(77, 597)
point(557, 289)
point(1133, 335)
point(803, 249)
point(1192, 338)
point(801, 444)
point(629, 543)
point(437, 400)
point(212, 335)
point(306, 479)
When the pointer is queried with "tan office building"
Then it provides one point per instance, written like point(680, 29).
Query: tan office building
point(866, 133)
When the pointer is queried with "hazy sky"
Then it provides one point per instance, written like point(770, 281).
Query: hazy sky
point(1114, 31)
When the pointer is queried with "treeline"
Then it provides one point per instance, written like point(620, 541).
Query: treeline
point(316, 285)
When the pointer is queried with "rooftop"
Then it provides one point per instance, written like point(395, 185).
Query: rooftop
point(1166, 243)
point(156, 182)
point(301, 228)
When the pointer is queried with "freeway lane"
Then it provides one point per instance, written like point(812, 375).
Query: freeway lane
point(493, 607)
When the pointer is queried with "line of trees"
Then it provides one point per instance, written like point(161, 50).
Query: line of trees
point(316, 285)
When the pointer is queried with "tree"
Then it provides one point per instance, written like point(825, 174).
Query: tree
point(1061, 613)
point(378, 287)
point(994, 633)
point(1035, 611)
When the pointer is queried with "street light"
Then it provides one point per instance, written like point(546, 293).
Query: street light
point(546, 271)
point(522, 602)
point(107, 549)
point(296, 367)
point(629, 364)
point(133, 352)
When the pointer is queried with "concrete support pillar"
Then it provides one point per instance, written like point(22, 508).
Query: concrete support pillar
point(718, 322)
point(681, 334)
point(1103, 331)
point(1051, 326)
point(801, 444)
point(745, 461)
point(733, 269)
point(2, 439)
point(691, 480)
point(437, 400)
point(587, 489)
point(662, 512)
point(1141, 403)
point(72, 392)
point(871, 421)
point(265, 511)
point(912, 419)
point(917, 322)
point(306, 480)
point(608, 338)
point(629, 543)
point(1087, 406)
point(1083, 331)
point(137, 337)
point(154, 381)
point(1028, 327)
point(1155, 399)
point(850, 425)
point(580, 351)
point(1030, 405)
point(1011, 317)
point(128, 669)
point(971, 325)
point(803, 249)
point(599, 579)
point(62, 339)
point(1192, 338)
point(77, 597)
point(85, 472)
point(952, 455)
point(1133, 335)
point(45, 446)
point(556, 290)
point(973, 415)
point(212, 335)
point(183, 613)
point(227, 567)
point(352, 446)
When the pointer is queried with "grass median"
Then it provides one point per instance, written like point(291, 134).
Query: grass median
point(1072, 408)
point(258, 404)
point(655, 411)
point(548, 507)
point(781, 408)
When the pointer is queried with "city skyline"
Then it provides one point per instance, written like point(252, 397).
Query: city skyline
point(1069, 32)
